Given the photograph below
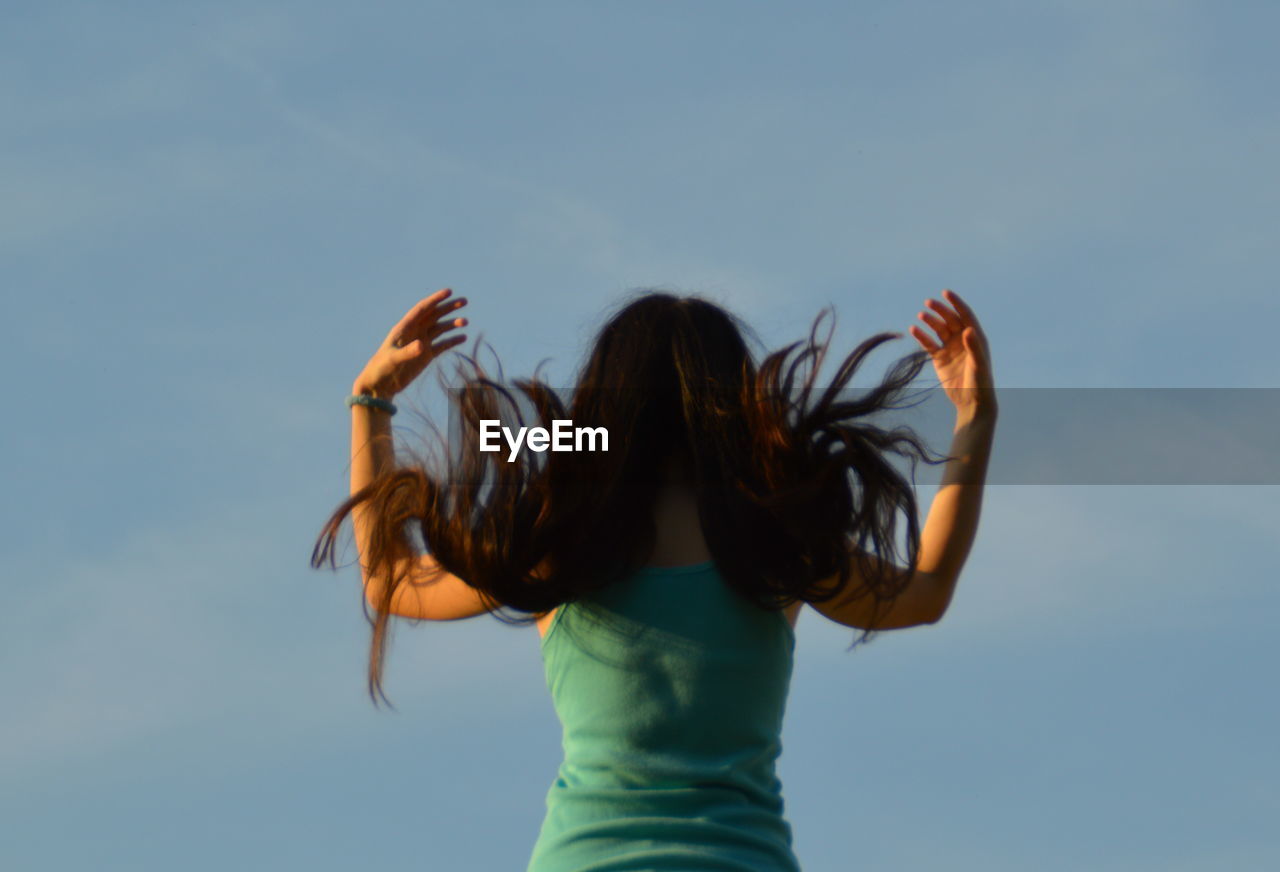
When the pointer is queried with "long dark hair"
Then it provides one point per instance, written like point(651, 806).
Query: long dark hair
point(672, 381)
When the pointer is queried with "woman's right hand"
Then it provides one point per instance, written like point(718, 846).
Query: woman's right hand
point(410, 347)
point(961, 356)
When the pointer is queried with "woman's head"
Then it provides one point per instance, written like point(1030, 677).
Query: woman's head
point(673, 382)
point(660, 368)
point(659, 339)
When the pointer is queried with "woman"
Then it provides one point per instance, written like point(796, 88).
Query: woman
point(665, 575)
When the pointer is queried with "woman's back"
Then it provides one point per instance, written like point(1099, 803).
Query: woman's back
point(671, 689)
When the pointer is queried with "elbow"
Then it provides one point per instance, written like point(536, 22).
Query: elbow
point(942, 602)
point(374, 595)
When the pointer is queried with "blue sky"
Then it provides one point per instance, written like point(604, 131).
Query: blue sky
point(212, 214)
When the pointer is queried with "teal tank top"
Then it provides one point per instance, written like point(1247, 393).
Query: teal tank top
point(671, 689)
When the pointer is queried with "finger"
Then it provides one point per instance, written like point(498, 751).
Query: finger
point(444, 310)
point(962, 307)
point(442, 306)
point(940, 327)
point(974, 345)
point(430, 302)
point(414, 348)
point(424, 305)
point(425, 312)
point(445, 344)
point(947, 313)
point(928, 344)
point(441, 329)
point(429, 317)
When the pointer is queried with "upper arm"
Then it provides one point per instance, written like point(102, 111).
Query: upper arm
point(429, 592)
point(923, 600)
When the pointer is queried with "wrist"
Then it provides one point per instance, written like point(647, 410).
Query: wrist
point(977, 416)
point(377, 402)
point(359, 387)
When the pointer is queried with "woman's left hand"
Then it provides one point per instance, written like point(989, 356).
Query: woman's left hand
point(410, 346)
point(961, 355)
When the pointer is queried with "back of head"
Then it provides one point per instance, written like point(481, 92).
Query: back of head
point(665, 373)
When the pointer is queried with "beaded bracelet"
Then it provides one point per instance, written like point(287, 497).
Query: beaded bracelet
point(372, 401)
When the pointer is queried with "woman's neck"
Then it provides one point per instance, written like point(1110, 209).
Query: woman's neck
point(679, 531)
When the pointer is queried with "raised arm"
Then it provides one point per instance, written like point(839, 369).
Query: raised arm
point(401, 358)
point(372, 454)
point(963, 363)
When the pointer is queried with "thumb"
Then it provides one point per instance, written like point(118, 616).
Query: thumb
point(413, 349)
point(970, 336)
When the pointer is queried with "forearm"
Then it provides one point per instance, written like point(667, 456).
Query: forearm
point(952, 521)
point(372, 454)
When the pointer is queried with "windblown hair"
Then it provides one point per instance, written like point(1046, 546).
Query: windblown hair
point(672, 381)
